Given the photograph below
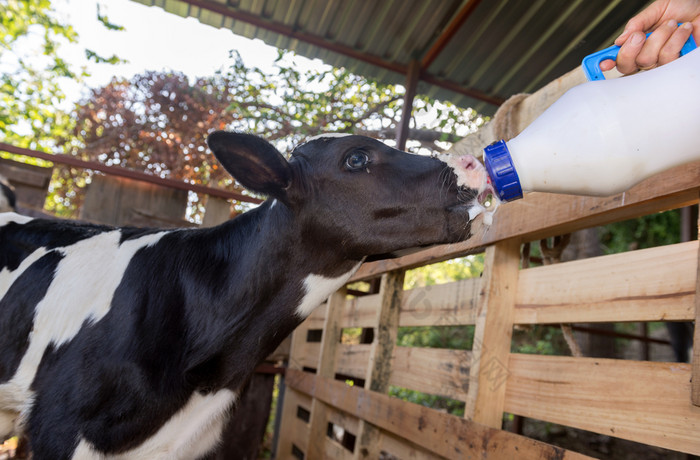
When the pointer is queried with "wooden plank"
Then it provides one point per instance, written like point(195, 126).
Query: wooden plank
point(387, 325)
point(361, 311)
point(298, 350)
point(317, 318)
point(343, 420)
point(326, 368)
point(380, 357)
point(307, 355)
point(217, 211)
point(494, 328)
point(452, 304)
point(295, 431)
point(695, 389)
point(31, 182)
point(438, 371)
point(641, 401)
point(403, 449)
point(656, 284)
point(133, 203)
point(443, 434)
point(333, 449)
point(540, 215)
point(353, 360)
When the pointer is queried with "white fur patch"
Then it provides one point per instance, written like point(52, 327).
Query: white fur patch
point(192, 432)
point(7, 217)
point(82, 290)
point(469, 171)
point(318, 288)
point(327, 135)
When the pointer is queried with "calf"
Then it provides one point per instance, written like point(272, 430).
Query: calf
point(8, 201)
point(126, 343)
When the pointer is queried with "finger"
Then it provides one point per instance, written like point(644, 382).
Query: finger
point(644, 21)
point(649, 55)
point(672, 48)
point(627, 57)
point(607, 64)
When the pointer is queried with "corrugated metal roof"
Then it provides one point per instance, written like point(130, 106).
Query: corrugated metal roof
point(493, 48)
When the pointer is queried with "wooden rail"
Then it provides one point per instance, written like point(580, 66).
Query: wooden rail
point(128, 173)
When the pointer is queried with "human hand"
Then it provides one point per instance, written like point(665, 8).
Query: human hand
point(662, 17)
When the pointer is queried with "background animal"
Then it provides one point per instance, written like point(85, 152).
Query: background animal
point(128, 343)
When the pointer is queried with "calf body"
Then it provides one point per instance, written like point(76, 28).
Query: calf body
point(122, 343)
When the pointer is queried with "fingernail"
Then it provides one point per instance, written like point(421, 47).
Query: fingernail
point(671, 23)
point(687, 26)
point(637, 38)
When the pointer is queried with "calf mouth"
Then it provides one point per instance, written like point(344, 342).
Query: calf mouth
point(475, 190)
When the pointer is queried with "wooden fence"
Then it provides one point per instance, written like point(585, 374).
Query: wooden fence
point(654, 403)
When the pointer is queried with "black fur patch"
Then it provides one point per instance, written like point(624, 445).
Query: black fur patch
point(17, 309)
point(18, 241)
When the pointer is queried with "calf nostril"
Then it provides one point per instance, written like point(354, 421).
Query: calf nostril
point(468, 162)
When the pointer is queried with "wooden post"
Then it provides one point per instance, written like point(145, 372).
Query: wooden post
point(326, 368)
point(380, 357)
point(133, 203)
point(492, 336)
point(218, 211)
point(31, 183)
point(695, 376)
point(411, 86)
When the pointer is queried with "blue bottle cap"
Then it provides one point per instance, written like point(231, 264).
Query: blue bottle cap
point(500, 167)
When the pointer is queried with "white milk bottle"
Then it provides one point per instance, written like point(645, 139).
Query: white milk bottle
point(602, 137)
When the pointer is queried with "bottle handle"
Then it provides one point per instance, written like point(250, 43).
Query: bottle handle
point(591, 63)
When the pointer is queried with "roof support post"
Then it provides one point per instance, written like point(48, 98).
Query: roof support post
point(411, 86)
point(695, 366)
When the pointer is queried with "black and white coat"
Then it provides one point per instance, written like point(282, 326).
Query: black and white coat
point(126, 343)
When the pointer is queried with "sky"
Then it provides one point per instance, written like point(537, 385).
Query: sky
point(154, 40)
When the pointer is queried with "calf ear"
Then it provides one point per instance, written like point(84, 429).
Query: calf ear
point(252, 161)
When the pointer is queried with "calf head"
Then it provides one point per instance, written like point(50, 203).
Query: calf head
point(358, 195)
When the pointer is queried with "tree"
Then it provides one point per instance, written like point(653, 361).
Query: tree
point(31, 69)
point(158, 121)
point(34, 112)
point(29, 87)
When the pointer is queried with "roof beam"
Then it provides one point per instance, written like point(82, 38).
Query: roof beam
point(444, 38)
point(411, 86)
point(339, 48)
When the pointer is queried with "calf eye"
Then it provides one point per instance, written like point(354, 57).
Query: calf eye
point(356, 160)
